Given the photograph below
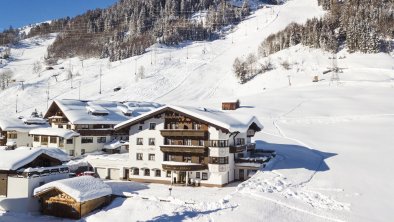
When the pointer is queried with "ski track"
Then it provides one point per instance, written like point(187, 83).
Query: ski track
point(296, 208)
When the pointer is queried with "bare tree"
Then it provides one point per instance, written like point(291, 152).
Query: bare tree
point(37, 67)
point(5, 78)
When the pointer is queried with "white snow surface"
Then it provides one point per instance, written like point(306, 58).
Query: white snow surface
point(101, 112)
point(20, 125)
point(333, 139)
point(59, 132)
point(15, 159)
point(81, 189)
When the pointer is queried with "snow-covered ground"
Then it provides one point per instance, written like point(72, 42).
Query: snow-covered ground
point(333, 140)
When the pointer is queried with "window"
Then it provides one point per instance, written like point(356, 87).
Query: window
point(187, 159)
point(201, 142)
point(240, 141)
point(12, 135)
point(204, 176)
point(71, 152)
point(61, 142)
point(198, 175)
point(151, 141)
point(136, 172)
point(69, 141)
point(139, 156)
point(68, 126)
point(168, 173)
point(147, 172)
point(44, 140)
point(188, 142)
point(219, 160)
point(140, 127)
point(101, 139)
point(52, 139)
point(140, 141)
point(152, 157)
point(157, 173)
point(36, 139)
point(83, 151)
point(84, 126)
point(60, 126)
point(152, 126)
point(87, 140)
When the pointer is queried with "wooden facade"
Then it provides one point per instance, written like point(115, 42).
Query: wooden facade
point(3, 183)
point(3, 138)
point(56, 203)
point(230, 105)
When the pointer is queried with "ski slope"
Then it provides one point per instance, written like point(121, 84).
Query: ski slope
point(333, 139)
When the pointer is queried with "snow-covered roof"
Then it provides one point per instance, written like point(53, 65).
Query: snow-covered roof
point(81, 189)
point(227, 120)
point(15, 159)
point(100, 112)
point(113, 145)
point(22, 124)
point(59, 132)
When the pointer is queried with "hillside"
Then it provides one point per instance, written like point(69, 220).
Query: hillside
point(333, 139)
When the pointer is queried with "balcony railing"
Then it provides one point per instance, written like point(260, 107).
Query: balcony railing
point(241, 148)
point(218, 143)
point(95, 132)
point(183, 149)
point(183, 166)
point(184, 133)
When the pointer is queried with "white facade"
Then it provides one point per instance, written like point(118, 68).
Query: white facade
point(20, 192)
point(22, 139)
point(217, 174)
point(143, 131)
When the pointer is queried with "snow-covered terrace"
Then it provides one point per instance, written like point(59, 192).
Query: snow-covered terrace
point(63, 133)
point(22, 124)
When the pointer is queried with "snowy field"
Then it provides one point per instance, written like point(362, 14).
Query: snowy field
point(334, 139)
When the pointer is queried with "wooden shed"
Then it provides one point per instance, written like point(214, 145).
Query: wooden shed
point(74, 197)
point(230, 105)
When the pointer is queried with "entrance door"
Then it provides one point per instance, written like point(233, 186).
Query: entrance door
point(182, 177)
point(241, 174)
point(127, 174)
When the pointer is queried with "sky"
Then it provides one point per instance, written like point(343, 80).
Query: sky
point(19, 13)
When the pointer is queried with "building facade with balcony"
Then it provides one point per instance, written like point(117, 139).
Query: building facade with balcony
point(14, 132)
point(93, 121)
point(187, 145)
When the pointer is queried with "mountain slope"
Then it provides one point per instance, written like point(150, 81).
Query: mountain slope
point(333, 139)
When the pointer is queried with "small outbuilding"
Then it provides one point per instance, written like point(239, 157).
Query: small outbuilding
point(74, 197)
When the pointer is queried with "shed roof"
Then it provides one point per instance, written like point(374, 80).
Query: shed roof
point(81, 189)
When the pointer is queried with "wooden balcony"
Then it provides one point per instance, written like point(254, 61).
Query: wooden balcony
point(184, 133)
point(182, 166)
point(95, 132)
point(241, 148)
point(183, 149)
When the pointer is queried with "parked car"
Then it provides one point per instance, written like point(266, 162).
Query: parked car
point(87, 173)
